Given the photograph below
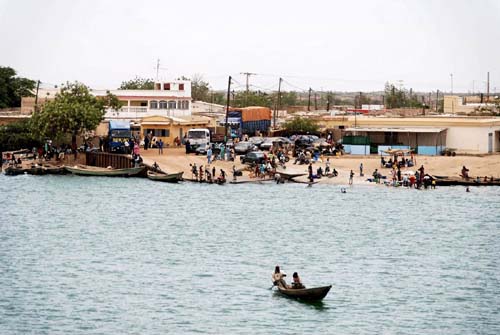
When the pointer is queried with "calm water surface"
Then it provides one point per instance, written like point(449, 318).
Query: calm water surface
point(129, 256)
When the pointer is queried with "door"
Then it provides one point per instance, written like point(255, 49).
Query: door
point(490, 143)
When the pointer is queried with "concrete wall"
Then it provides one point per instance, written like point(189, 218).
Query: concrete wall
point(470, 139)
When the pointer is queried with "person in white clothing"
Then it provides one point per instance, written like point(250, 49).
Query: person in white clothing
point(278, 277)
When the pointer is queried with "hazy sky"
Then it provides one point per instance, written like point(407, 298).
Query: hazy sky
point(329, 45)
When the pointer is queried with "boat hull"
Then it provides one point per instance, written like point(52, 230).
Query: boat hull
point(306, 294)
point(84, 170)
point(165, 177)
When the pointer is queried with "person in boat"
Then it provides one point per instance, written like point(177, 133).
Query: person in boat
point(297, 283)
point(156, 167)
point(278, 277)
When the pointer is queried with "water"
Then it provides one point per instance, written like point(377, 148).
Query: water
point(83, 255)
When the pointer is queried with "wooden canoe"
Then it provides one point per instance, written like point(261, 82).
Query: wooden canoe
point(290, 176)
point(306, 294)
point(165, 177)
point(86, 170)
point(14, 171)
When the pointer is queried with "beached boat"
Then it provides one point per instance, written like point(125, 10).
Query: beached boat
point(52, 169)
point(305, 294)
point(14, 171)
point(86, 170)
point(290, 176)
point(459, 181)
point(166, 177)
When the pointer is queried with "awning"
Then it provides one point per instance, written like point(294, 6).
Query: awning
point(398, 130)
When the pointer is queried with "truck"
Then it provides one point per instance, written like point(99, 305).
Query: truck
point(119, 132)
point(202, 137)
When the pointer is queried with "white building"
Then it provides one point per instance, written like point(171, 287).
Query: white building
point(169, 99)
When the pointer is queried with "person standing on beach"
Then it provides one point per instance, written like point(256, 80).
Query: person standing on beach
point(351, 177)
point(160, 146)
point(209, 155)
point(361, 170)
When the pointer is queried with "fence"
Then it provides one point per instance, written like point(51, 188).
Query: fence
point(104, 159)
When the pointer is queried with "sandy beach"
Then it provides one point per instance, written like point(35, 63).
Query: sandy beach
point(176, 160)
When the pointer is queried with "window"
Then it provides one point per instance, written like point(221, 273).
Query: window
point(185, 104)
point(172, 104)
point(181, 87)
point(166, 86)
point(157, 132)
point(163, 104)
point(157, 86)
point(153, 104)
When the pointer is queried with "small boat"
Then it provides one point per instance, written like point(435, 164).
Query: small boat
point(305, 294)
point(166, 177)
point(290, 176)
point(53, 169)
point(87, 170)
point(14, 170)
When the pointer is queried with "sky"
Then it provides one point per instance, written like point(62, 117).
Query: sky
point(355, 45)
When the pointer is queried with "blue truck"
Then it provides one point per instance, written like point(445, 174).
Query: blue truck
point(119, 132)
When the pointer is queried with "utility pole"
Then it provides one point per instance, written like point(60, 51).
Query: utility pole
point(278, 103)
point(488, 87)
point(157, 68)
point(309, 100)
point(36, 96)
point(437, 100)
point(430, 101)
point(247, 74)
point(451, 77)
point(328, 101)
point(227, 108)
point(359, 102)
point(315, 101)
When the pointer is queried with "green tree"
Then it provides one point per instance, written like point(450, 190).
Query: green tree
point(300, 125)
point(17, 135)
point(72, 111)
point(199, 88)
point(138, 83)
point(252, 98)
point(13, 88)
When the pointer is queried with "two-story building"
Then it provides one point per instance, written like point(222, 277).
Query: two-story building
point(168, 99)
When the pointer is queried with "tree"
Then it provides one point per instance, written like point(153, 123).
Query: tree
point(300, 125)
point(138, 83)
point(17, 135)
point(72, 111)
point(13, 88)
point(199, 88)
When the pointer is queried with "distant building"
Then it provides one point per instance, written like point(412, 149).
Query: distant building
point(169, 99)
point(454, 104)
point(427, 135)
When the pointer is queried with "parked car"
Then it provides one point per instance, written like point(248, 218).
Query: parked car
point(267, 144)
point(242, 148)
point(257, 140)
point(253, 157)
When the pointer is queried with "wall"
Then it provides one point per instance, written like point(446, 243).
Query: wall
point(357, 149)
point(469, 139)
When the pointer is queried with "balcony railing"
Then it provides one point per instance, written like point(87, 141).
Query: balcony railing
point(134, 109)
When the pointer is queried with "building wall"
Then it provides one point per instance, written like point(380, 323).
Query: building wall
point(470, 139)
